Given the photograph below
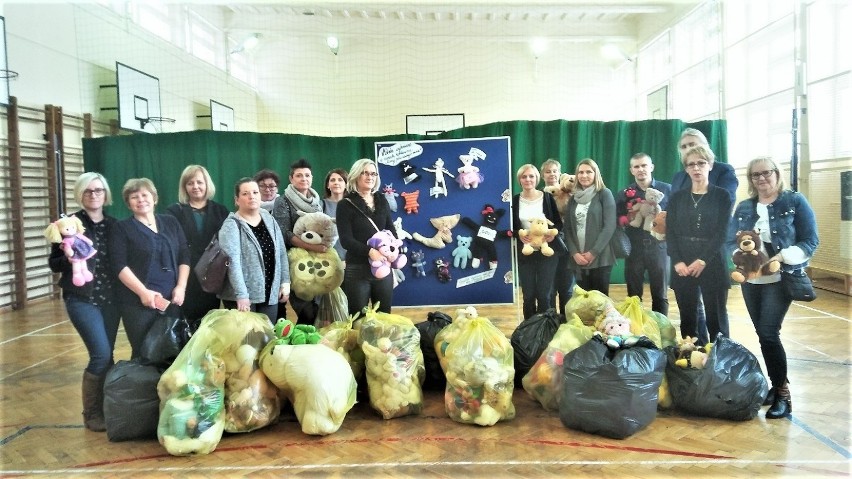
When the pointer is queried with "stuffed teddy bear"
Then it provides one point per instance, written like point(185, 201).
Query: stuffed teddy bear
point(385, 253)
point(537, 236)
point(462, 253)
point(316, 228)
point(616, 330)
point(690, 355)
point(658, 227)
point(444, 235)
point(563, 191)
point(643, 212)
point(750, 259)
point(67, 231)
point(486, 234)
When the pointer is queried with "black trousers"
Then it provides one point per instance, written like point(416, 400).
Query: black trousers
point(648, 255)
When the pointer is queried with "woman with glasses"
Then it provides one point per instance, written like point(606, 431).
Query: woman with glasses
point(150, 257)
point(267, 182)
point(787, 227)
point(697, 223)
point(91, 307)
point(361, 212)
point(299, 197)
point(259, 273)
point(200, 217)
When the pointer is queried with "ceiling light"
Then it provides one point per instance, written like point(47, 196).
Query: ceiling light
point(247, 44)
point(538, 46)
point(333, 44)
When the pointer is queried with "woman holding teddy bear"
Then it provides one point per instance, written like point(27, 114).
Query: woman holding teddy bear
point(787, 227)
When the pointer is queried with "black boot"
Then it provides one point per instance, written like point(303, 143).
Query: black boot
point(770, 397)
point(782, 406)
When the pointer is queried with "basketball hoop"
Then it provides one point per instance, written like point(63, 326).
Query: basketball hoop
point(8, 75)
point(157, 124)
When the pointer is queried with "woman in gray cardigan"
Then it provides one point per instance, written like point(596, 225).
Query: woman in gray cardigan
point(259, 273)
point(589, 226)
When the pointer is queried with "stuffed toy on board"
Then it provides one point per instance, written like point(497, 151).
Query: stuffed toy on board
point(390, 195)
point(444, 235)
point(750, 259)
point(484, 249)
point(68, 232)
point(412, 206)
point(461, 254)
point(418, 263)
point(469, 175)
point(440, 187)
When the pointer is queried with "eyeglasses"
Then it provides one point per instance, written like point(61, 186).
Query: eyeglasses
point(761, 174)
point(369, 173)
point(94, 192)
point(268, 186)
point(696, 165)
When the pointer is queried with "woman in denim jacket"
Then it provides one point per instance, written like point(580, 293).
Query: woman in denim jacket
point(788, 230)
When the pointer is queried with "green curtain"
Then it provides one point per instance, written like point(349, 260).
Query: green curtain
point(229, 156)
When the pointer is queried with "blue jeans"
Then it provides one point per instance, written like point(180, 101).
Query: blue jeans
point(361, 287)
point(535, 275)
point(767, 305)
point(97, 327)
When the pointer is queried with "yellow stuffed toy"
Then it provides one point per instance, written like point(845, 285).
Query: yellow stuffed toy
point(538, 236)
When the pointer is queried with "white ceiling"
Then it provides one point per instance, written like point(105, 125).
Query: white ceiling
point(567, 20)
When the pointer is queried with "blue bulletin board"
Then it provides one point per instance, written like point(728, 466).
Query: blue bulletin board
point(411, 173)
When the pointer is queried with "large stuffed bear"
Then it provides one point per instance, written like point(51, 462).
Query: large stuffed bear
point(313, 274)
point(750, 259)
point(563, 191)
point(483, 248)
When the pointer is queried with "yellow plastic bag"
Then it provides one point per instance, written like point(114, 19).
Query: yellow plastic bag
point(641, 323)
point(589, 306)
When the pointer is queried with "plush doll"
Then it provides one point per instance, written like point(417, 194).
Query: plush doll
point(537, 236)
point(563, 191)
point(288, 333)
point(440, 187)
point(68, 232)
point(643, 212)
point(411, 204)
point(469, 175)
point(316, 228)
point(486, 232)
point(444, 235)
point(400, 232)
point(750, 259)
point(418, 263)
point(462, 253)
point(616, 330)
point(442, 270)
point(409, 173)
point(390, 196)
point(658, 227)
point(690, 355)
point(385, 253)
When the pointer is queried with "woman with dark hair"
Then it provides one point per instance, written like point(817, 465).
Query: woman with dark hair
point(787, 227)
point(150, 257)
point(259, 273)
point(696, 226)
point(91, 307)
point(589, 225)
point(360, 214)
point(267, 181)
point(200, 217)
point(335, 187)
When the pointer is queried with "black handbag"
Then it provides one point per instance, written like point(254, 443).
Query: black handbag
point(212, 268)
point(797, 285)
point(620, 243)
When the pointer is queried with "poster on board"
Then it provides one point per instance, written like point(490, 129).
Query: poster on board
point(450, 201)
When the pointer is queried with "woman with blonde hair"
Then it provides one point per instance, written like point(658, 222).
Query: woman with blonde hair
point(200, 218)
point(589, 225)
point(787, 227)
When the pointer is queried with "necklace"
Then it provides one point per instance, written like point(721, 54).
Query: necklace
point(694, 202)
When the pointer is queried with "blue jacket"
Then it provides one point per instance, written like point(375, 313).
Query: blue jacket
point(791, 220)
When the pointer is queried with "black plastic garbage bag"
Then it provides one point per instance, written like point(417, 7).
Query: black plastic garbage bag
point(435, 322)
point(131, 403)
point(608, 392)
point(730, 386)
point(530, 339)
point(167, 336)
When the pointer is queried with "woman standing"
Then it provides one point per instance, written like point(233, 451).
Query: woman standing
point(259, 274)
point(268, 181)
point(563, 279)
point(200, 218)
point(697, 223)
point(299, 197)
point(91, 307)
point(335, 187)
point(589, 226)
point(788, 229)
point(535, 271)
point(149, 255)
point(361, 213)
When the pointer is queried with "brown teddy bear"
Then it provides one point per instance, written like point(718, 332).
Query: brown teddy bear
point(563, 191)
point(750, 259)
point(658, 227)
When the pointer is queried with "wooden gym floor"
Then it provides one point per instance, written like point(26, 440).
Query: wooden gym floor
point(42, 434)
